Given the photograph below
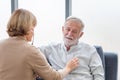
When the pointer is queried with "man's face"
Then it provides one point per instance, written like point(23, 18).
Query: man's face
point(71, 32)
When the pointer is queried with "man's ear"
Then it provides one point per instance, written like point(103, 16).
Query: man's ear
point(62, 28)
point(81, 33)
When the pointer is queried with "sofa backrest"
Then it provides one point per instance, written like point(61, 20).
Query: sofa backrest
point(111, 65)
point(100, 52)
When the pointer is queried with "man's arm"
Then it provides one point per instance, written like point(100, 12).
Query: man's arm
point(96, 67)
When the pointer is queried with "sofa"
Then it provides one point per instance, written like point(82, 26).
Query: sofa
point(110, 63)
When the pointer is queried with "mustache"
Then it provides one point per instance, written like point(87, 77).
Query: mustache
point(69, 37)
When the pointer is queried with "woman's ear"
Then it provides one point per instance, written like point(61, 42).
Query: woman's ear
point(31, 31)
point(29, 34)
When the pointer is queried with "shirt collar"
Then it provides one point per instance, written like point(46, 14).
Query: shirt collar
point(72, 47)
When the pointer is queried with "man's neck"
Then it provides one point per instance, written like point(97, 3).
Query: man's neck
point(67, 47)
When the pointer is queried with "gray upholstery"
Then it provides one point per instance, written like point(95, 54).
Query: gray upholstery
point(110, 63)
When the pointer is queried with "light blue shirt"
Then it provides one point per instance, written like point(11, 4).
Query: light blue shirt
point(90, 64)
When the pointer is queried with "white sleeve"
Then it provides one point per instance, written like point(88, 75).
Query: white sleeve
point(96, 67)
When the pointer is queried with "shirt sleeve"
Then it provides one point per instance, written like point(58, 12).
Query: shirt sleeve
point(96, 66)
point(45, 49)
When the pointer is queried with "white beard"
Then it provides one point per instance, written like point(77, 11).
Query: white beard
point(69, 42)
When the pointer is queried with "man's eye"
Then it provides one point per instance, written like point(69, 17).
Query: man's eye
point(67, 29)
point(74, 31)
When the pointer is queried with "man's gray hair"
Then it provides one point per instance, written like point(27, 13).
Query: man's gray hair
point(76, 19)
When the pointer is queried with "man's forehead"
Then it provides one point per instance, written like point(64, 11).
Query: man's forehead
point(73, 23)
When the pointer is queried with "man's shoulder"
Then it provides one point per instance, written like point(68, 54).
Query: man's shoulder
point(52, 45)
point(86, 45)
point(55, 44)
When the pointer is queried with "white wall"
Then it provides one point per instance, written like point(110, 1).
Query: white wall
point(5, 12)
point(50, 16)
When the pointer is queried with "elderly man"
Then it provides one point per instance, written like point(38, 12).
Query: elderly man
point(90, 67)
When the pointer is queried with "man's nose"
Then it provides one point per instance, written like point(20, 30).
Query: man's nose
point(70, 33)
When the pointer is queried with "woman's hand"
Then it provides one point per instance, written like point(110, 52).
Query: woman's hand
point(72, 64)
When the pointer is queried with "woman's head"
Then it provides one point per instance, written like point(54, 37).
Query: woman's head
point(21, 22)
